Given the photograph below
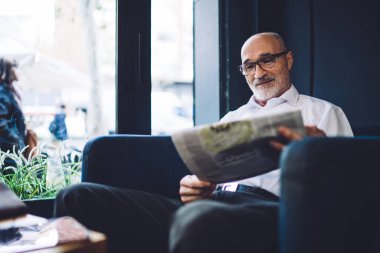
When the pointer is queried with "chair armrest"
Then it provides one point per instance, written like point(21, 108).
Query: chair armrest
point(141, 162)
point(330, 195)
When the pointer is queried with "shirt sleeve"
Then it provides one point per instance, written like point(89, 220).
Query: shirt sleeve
point(335, 123)
point(226, 118)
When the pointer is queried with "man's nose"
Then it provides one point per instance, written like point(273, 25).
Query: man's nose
point(260, 72)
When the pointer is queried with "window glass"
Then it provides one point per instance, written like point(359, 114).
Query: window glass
point(65, 56)
point(172, 65)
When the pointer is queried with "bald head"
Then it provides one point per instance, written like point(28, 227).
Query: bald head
point(269, 37)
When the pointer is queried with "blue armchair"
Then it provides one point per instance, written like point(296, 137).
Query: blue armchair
point(330, 186)
point(141, 162)
point(331, 196)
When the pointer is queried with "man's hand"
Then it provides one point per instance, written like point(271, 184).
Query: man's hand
point(191, 188)
point(293, 136)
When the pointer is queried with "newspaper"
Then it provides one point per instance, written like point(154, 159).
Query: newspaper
point(225, 152)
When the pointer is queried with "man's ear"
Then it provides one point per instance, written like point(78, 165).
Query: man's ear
point(289, 59)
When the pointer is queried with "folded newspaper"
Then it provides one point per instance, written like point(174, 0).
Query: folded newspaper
point(225, 152)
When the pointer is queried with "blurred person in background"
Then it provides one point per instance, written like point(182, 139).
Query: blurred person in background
point(13, 132)
point(58, 126)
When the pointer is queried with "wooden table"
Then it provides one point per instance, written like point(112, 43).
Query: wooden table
point(96, 244)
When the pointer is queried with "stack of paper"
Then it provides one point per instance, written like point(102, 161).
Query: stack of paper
point(20, 232)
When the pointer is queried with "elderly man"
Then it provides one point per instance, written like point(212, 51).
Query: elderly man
point(217, 219)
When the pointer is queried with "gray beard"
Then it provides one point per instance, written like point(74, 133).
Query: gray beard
point(267, 93)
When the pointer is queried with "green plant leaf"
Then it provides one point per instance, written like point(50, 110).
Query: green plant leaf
point(27, 177)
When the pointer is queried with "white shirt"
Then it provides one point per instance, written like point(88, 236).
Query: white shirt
point(326, 116)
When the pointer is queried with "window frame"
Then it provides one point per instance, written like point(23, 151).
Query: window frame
point(133, 67)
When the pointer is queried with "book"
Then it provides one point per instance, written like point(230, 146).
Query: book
point(21, 232)
point(10, 205)
point(230, 151)
point(38, 233)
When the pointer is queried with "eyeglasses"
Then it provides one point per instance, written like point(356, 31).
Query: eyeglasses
point(266, 63)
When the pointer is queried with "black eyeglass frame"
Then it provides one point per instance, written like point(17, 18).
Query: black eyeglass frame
point(275, 56)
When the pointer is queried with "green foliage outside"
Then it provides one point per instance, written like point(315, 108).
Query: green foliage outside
point(31, 178)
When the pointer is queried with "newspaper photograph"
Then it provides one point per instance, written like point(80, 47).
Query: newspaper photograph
point(225, 152)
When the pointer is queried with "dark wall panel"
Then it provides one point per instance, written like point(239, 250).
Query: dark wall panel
point(336, 46)
point(295, 29)
point(237, 23)
point(347, 53)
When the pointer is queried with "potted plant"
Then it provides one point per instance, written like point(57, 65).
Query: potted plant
point(38, 178)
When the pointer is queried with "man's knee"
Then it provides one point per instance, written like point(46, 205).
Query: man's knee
point(195, 214)
point(70, 198)
point(193, 222)
point(211, 226)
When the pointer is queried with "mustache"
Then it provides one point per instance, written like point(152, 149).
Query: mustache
point(264, 79)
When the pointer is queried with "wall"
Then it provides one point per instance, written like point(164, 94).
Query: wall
point(336, 46)
point(346, 58)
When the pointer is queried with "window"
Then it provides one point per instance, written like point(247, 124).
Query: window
point(172, 65)
point(65, 51)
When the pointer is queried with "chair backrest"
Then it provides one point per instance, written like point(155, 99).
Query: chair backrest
point(366, 131)
point(330, 196)
point(141, 162)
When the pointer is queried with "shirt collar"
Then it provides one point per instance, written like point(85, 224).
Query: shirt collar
point(290, 96)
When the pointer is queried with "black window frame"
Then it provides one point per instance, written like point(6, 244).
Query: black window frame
point(133, 67)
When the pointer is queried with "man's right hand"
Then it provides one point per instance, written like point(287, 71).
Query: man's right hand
point(294, 136)
point(191, 188)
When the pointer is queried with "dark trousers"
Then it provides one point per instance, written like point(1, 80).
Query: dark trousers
point(136, 221)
